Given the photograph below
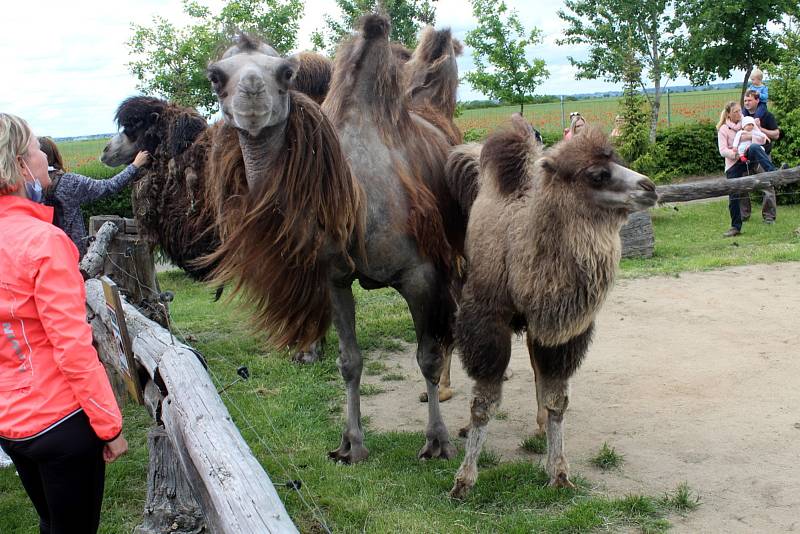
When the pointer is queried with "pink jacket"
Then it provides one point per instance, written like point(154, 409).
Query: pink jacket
point(48, 367)
point(725, 139)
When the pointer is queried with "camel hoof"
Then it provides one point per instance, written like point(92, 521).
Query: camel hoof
point(437, 449)
point(350, 454)
point(561, 480)
point(445, 394)
point(463, 432)
point(460, 490)
point(305, 357)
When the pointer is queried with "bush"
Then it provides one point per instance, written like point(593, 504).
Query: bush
point(475, 135)
point(685, 150)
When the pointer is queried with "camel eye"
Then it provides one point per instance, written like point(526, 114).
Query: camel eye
point(287, 74)
point(600, 176)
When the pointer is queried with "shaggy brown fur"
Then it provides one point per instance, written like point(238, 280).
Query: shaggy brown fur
point(278, 241)
point(313, 75)
point(429, 82)
point(401, 128)
point(169, 198)
point(463, 174)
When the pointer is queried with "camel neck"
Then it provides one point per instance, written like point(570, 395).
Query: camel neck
point(260, 152)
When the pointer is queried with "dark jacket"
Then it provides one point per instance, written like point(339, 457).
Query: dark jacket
point(69, 191)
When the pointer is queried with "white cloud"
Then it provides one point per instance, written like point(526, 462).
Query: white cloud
point(65, 63)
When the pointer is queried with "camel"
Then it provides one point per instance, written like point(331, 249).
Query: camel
point(377, 220)
point(543, 247)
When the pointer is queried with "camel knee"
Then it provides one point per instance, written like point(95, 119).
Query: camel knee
point(485, 401)
point(555, 397)
point(350, 368)
point(430, 363)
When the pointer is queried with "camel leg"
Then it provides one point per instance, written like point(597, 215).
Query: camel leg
point(350, 363)
point(431, 309)
point(541, 410)
point(445, 391)
point(486, 399)
point(312, 355)
point(554, 366)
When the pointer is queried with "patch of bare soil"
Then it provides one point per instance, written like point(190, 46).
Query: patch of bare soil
point(693, 379)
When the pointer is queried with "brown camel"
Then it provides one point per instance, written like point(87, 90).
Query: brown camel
point(543, 247)
point(313, 212)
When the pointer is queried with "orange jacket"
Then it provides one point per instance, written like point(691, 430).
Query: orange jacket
point(49, 369)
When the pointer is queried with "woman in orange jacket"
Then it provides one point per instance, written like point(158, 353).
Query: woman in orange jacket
point(59, 421)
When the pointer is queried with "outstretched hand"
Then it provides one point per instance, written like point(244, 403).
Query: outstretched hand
point(141, 159)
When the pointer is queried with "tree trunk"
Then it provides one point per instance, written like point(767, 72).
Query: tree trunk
point(654, 111)
point(744, 84)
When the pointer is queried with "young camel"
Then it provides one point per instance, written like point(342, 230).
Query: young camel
point(298, 227)
point(543, 246)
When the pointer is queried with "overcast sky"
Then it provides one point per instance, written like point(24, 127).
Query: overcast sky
point(65, 63)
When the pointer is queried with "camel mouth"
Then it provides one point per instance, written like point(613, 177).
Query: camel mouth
point(120, 150)
point(645, 199)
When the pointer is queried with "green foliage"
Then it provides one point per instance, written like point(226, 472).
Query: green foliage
point(725, 35)
point(170, 62)
point(474, 135)
point(617, 31)
point(683, 499)
point(634, 139)
point(607, 458)
point(502, 70)
point(407, 18)
point(536, 444)
point(680, 151)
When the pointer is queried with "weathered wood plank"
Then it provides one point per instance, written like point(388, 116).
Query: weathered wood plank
point(92, 263)
point(721, 186)
point(234, 490)
point(637, 236)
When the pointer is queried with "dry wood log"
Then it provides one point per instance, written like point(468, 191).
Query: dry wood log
point(235, 493)
point(92, 263)
point(637, 236)
point(721, 186)
point(171, 505)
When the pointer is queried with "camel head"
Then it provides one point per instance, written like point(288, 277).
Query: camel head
point(151, 124)
point(252, 84)
point(590, 168)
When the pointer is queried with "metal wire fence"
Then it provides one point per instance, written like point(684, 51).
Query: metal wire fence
point(551, 118)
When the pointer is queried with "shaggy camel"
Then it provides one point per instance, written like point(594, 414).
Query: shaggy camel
point(170, 199)
point(543, 246)
point(327, 226)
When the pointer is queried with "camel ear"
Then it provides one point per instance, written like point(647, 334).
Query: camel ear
point(548, 164)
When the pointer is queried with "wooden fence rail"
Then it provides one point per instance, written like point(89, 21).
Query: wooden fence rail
point(233, 490)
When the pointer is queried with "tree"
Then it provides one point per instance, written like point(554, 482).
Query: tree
point(615, 28)
point(725, 35)
point(634, 139)
point(170, 62)
point(407, 18)
point(502, 70)
point(784, 96)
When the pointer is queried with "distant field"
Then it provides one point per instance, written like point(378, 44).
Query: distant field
point(83, 157)
point(683, 107)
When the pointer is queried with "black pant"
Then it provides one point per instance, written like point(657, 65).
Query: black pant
point(63, 472)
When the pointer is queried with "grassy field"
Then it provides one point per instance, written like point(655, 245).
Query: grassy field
point(291, 415)
point(83, 157)
point(683, 107)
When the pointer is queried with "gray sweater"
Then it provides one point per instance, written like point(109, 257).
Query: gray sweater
point(72, 191)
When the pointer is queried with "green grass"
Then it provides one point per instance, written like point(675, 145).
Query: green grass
point(393, 377)
point(682, 500)
point(683, 107)
point(536, 444)
point(688, 237)
point(608, 458)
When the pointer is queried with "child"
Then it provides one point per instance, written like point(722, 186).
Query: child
point(757, 136)
point(756, 84)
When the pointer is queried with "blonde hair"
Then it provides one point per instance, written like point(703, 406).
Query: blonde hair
point(573, 122)
point(726, 112)
point(15, 134)
point(757, 72)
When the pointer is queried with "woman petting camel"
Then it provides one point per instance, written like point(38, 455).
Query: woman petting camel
point(59, 419)
point(68, 191)
point(543, 246)
point(298, 225)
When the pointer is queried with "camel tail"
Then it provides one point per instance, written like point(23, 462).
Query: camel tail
point(462, 173)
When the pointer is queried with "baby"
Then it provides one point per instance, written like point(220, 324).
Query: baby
point(757, 84)
point(757, 136)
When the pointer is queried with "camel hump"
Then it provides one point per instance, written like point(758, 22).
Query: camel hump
point(462, 173)
point(375, 26)
point(505, 158)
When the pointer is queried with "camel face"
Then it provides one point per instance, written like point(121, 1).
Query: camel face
point(252, 87)
point(121, 150)
point(615, 187)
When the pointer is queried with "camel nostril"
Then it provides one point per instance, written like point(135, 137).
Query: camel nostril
point(647, 184)
point(252, 84)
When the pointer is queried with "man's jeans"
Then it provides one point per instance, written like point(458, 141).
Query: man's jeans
point(756, 156)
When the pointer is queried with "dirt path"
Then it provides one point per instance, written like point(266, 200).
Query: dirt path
point(694, 379)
